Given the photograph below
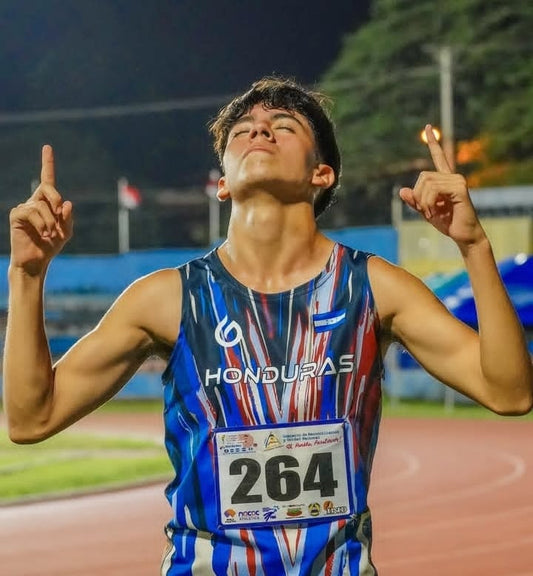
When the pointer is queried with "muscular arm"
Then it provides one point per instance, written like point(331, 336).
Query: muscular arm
point(42, 399)
point(491, 367)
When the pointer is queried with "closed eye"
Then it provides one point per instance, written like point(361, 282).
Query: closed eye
point(239, 132)
point(288, 128)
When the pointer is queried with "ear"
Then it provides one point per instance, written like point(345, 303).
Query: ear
point(223, 193)
point(323, 176)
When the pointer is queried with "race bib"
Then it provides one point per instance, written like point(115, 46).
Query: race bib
point(279, 474)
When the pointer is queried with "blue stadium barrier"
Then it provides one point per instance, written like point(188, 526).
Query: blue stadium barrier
point(108, 275)
point(379, 240)
point(143, 385)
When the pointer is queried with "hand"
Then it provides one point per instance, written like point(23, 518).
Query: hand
point(42, 225)
point(442, 198)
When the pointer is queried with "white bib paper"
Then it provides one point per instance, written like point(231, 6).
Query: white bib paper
point(282, 473)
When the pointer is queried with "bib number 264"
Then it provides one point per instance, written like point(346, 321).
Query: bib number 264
point(283, 478)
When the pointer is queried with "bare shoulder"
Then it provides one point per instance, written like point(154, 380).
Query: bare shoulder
point(153, 304)
point(389, 284)
point(397, 292)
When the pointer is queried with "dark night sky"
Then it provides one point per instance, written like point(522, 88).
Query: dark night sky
point(63, 54)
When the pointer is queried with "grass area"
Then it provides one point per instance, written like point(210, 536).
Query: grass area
point(72, 462)
point(132, 406)
point(128, 406)
point(426, 409)
point(401, 408)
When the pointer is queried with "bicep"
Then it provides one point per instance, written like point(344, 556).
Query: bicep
point(447, 348)
point(444, 346)
point(98, 365)
point(103, 361)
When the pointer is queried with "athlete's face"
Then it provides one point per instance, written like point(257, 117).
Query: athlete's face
point(273, 150)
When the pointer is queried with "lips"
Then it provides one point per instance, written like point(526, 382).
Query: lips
point(258, 149)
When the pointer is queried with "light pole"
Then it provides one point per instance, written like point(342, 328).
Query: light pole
point(445, 57)
point(211, 190)
point(448, 144)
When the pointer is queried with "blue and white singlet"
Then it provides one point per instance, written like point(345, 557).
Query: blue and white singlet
point(272, 410)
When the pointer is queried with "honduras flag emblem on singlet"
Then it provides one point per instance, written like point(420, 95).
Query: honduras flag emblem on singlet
point(328, 320)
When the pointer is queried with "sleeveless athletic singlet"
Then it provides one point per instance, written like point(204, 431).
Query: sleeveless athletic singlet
point(272, 409)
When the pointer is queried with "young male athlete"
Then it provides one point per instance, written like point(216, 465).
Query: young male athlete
point(274, 343)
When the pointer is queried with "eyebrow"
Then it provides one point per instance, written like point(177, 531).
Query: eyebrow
point(276, 116)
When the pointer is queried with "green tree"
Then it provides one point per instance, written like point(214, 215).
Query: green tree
point(385, 85)
point(495, 79)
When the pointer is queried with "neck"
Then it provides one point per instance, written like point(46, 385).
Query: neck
point(273, 247)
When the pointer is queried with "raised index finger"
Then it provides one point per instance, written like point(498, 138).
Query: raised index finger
point(47, 166)
point(437, 153)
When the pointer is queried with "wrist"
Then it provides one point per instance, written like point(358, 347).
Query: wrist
point(19, 274)
point(479, 244)
point(476, 251)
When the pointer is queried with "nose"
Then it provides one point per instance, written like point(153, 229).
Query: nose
point(262, 129)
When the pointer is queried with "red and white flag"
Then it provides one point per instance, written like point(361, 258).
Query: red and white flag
point(128, 196)
point(211, 186)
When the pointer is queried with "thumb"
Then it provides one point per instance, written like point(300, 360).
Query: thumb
point(406, 194)
point(65, 223)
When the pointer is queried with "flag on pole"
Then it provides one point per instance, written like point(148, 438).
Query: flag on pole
point(211, 186)
point(211, 189)
point(129, 197)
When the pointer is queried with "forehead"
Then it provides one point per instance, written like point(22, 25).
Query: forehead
point(261, 112)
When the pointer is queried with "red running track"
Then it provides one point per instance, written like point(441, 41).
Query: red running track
point(448, 497)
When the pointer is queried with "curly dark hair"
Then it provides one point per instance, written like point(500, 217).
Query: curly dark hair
point(277, 92)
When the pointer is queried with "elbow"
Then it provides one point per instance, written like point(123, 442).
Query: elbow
point(18, 436)
point(25, 434)
point(21, 438)
point(520, 407)
point(24, 438)
point(512, 396)
point(524, 408)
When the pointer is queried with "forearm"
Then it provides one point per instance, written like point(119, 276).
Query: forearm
point(28, 374)
point(505, 361)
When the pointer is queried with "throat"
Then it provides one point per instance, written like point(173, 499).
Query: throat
point(271, 270)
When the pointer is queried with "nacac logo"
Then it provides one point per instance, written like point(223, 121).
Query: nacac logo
point(227, 334)
point(249, 515)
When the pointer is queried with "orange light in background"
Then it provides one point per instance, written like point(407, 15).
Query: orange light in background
point(436, 133)
point(469, 151)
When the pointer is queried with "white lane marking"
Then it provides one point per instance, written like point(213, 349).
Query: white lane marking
point(518, 469)
point(411, 468)
point(458, 519)
point(459, 552)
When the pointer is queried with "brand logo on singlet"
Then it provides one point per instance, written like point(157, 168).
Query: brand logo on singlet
point(227, 334)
